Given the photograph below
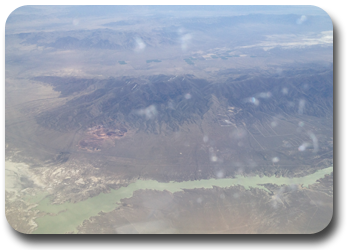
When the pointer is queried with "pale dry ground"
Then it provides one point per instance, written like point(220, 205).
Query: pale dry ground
point(26, 186)
point(30, 60)
point(20, 185)
point(168, 156)
point(178, 155)
point(27, 142)
point(55, 163)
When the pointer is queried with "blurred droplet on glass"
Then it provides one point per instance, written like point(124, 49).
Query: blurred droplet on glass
point(265, 95)
point(303, 146)
point(314, 141)
point(171, 105)
point(293, 187)
point(76, 22)
point(275, 159)
point(301, 106)
point(205, 138)
point(254, 100)
point(149, 112)
point(238, 133)
point(139, 45)
point(236, 195)
point(185, 41)
point(220, 174)
point(302, 19)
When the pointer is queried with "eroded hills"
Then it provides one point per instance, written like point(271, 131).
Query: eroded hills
point(165, 102)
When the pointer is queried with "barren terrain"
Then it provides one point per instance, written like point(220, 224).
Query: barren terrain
point(97, 103)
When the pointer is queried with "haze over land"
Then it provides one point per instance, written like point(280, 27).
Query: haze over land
point(101, 98)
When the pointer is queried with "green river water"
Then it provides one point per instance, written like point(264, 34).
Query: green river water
point(67, 217)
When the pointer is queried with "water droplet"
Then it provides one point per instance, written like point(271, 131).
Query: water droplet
point(275, 159)
point(284, 91)
point(188, 96)
point(220, 174)
point(205, 138)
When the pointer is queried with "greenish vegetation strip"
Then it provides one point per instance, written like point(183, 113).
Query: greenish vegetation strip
point(67, 217)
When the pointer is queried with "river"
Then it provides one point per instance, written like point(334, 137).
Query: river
point(68, 216)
